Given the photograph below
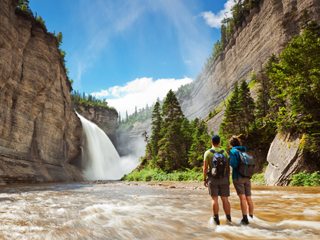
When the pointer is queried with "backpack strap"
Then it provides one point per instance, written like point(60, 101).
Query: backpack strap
point(222, 151)
point(238, 150)
point(238, 167)
point(211, 150)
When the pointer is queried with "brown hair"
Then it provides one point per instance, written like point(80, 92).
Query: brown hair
point(234, 141)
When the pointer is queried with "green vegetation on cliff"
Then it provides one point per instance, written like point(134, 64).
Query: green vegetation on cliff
point(288, 98)
point(78, 99)
point(24, 9)
point(240, 10)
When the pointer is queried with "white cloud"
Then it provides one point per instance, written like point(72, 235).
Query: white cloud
point(139, 92)
point(214, 20)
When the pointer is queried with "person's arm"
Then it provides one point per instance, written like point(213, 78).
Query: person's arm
point(205, 170)
point(227, 165)
point(233, 160)
point(228, 171)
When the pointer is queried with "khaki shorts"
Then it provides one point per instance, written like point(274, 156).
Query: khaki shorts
point(242, 186)
point(218, 187)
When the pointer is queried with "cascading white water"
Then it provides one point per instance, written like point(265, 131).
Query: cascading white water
point(100, 159)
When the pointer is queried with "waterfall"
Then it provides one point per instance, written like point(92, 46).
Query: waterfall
point(100, 159)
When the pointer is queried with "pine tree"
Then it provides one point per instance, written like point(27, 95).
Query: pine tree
point(186, 132)
point(171, 155)
point(59, 37)
point(200, 143)
point(246, 108)
point(262, 103)
point(297, 76)
point(223, 36)
point(231, 125)
point(156, 130)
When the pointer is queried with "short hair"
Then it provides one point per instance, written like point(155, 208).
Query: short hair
point(234, 141)
point(215, 139)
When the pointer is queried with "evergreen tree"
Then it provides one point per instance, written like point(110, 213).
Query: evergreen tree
point(246, 108)
point(217, 47)
point(276, 99)
point(171, 110)
point(223, 36)
point(267, 103)
point(156, 130)
point(186, 132)
point(200, 143)
point(59, 37)
point(231, 125)
point(297, 75)
point(171, 155)
point(127, 116)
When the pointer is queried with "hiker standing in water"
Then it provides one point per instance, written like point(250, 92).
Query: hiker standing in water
point(218, 183)
point(241, 184)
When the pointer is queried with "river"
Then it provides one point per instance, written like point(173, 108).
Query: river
point(122, 210)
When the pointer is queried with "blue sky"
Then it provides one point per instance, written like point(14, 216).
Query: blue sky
point(133, 51)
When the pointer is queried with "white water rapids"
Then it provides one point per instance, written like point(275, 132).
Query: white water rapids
point(152, 211)
point(100, 159)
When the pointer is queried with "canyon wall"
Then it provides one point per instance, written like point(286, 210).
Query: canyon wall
point(266, 30)
point(39, 130)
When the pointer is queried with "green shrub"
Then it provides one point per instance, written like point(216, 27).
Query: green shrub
point(42, 23)
point(258, 179)
point(305, 179)
point(158, 175)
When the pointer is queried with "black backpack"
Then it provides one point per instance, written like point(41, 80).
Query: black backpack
point(219, 164)
point(247, 164)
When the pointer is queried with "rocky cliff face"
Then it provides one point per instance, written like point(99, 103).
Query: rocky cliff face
point(266, 30)
point(132, 142)
point(285, 160)
point(40, 132)
point(104, 118)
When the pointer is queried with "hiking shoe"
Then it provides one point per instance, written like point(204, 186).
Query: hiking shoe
point(216, 221)
point(244, 222)
point(229, 221)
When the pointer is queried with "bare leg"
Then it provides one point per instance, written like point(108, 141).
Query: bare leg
point(250, 205)
point(215, 205)
point(226, 205)
point(243, 204)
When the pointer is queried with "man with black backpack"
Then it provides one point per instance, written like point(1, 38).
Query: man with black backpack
point(218, 182)
point(243, 165)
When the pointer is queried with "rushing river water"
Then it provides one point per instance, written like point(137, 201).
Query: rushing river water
point(114, 210)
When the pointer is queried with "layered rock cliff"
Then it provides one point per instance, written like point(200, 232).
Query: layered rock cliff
point(40, 132)
point(266, 30)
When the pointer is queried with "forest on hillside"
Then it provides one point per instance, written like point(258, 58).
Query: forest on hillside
point(288, 102)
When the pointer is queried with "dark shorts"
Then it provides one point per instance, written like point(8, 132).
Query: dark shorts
point(218, 187)
point(242, 186)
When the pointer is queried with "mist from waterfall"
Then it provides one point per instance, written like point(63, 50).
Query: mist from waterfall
point(100, 159)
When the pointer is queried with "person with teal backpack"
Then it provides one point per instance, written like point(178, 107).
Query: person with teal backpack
point(242, 164)
point(216, 168)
